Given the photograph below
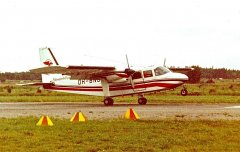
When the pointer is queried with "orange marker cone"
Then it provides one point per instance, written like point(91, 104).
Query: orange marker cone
point(131, 114)
point(44, 121)
point(78, 117)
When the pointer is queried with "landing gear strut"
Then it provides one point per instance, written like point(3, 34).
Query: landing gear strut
point(108, 101)
point(142, 100)
point(184, 91)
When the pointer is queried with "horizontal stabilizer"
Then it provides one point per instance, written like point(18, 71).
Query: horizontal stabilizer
point(34, 84)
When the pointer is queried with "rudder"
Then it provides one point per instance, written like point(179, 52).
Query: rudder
point(47, 58)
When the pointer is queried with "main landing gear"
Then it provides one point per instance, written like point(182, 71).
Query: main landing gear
point(108, 101)
point(142, 100)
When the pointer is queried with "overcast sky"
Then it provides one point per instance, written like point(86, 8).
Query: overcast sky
point(101, 32)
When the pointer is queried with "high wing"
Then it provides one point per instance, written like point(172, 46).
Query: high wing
point(181, 70)
point(178, 70)
point(82, 72)
point(51, 68)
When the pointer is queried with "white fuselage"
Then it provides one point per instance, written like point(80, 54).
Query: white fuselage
point(148, 80)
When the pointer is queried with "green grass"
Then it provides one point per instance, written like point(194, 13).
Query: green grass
point(151, 99)
point(227, 91)
point(21, 134)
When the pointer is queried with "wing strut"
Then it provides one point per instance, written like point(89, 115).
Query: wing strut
point(105, 86)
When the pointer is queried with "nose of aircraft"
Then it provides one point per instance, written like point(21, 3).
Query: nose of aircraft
point(177, 76)
point(181, 76)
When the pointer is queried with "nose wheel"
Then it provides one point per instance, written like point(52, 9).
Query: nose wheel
point(184, 91)
point(108, 101)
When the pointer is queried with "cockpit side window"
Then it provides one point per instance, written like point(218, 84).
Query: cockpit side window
point(147, 73)
point(137, 75)
point(160, 71)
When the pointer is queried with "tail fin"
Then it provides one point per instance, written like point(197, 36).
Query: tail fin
point(47, 58)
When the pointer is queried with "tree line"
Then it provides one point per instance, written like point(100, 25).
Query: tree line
point(19, 76)
point(211, 73)
point(194, 75)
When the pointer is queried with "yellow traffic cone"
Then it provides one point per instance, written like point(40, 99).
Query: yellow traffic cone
point(44, 121)
point(131, 114)
point(78, 117)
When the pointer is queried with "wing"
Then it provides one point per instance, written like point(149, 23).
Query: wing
point(181, 70)
point(79, 72)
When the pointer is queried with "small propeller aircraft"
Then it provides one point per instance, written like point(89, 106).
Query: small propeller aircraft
point(105, 81)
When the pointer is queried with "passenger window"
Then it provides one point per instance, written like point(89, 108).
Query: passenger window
point(137, 75)
point(147, 73)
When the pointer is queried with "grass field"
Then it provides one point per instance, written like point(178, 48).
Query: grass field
point(119, 135)
point(227, 91)
point(22, 134)
point(151, 99)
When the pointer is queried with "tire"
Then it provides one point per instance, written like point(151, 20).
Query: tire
point(108, 101)
point(142, 101)
point(184, 92)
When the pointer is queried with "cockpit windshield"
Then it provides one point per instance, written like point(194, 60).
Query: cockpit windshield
point(161, 70)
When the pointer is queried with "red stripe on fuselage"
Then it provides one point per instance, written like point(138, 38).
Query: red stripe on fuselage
point(114, 88)
point(144, 85)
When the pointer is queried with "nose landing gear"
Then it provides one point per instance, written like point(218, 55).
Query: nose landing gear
point(184, 91)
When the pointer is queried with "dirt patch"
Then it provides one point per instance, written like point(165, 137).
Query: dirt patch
point(99, 111)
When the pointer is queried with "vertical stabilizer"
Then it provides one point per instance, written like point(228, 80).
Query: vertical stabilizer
point(47, 58)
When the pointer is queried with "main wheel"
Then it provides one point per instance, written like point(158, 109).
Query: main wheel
point(184, 92)
point(142, 101)
point(108, 101)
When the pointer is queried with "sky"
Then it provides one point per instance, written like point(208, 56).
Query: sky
point(102, 32)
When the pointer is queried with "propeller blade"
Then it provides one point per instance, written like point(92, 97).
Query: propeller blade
point(131, 81)
point(129, 72)
point(127, 61)
point(164, 63)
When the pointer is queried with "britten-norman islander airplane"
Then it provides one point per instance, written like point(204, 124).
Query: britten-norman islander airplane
point(105, 81)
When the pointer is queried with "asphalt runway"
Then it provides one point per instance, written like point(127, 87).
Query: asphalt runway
point(95, 111)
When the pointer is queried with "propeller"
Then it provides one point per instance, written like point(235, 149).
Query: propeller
point(127, 62)
point(129, 72)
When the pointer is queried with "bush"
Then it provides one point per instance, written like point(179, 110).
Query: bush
point(9, 89)
point(212, 91)
point(39, 90)
point(210, 81)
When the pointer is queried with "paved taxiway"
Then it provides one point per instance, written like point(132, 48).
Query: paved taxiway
point(99, 111)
